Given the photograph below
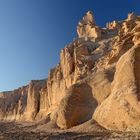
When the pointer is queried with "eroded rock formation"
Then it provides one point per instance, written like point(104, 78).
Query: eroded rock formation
point(97, 77)
point(77, 106)
point(121, 110)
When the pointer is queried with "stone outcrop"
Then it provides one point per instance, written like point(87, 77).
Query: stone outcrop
point(87, 27)
point(113, 25)
point(100, 83)
point(43, 103)
point(13, 104)
point(77, 106)
point(121, 110)
point(97, 77)
point(33, 99)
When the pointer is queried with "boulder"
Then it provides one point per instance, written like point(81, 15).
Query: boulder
point(76, 107)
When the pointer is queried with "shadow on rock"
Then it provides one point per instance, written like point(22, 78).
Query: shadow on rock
point(77, 106)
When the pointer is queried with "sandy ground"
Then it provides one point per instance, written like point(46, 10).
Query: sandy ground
point(31, 131)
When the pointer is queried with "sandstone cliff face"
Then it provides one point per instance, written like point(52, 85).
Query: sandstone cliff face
point(98, 75)
point(13, 104)
point(33, 99)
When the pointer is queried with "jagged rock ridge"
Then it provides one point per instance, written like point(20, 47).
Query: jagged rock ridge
point(97, 78)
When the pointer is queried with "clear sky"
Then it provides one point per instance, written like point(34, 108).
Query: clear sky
point(32, 33)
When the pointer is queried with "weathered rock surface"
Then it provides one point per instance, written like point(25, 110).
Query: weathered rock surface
point(13, 104)
point(121, 110)
point(98, 75)
point(100, 83)
point(77, 106)
point(33, 100)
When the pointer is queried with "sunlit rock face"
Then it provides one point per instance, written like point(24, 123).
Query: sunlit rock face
point(98, 76)
point(33, 99)
point(121, 110)
point(13, 104)
point(77, 106)
point(87, 28)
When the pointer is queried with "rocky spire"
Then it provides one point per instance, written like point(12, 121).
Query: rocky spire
point(88, 18)
point(131, 16)
point(87, 28)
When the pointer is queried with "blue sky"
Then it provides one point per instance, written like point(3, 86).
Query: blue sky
point(32, 33)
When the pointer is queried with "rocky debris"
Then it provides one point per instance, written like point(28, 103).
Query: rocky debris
point(90, 126)
point(98, 75)
point(12, 130)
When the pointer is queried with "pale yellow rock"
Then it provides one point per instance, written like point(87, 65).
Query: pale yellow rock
point(66, 61)
point(121, 110)
point(87, 28)
point(76, 107)
point(33, 99)
point(101, 84)
point(55, 87)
